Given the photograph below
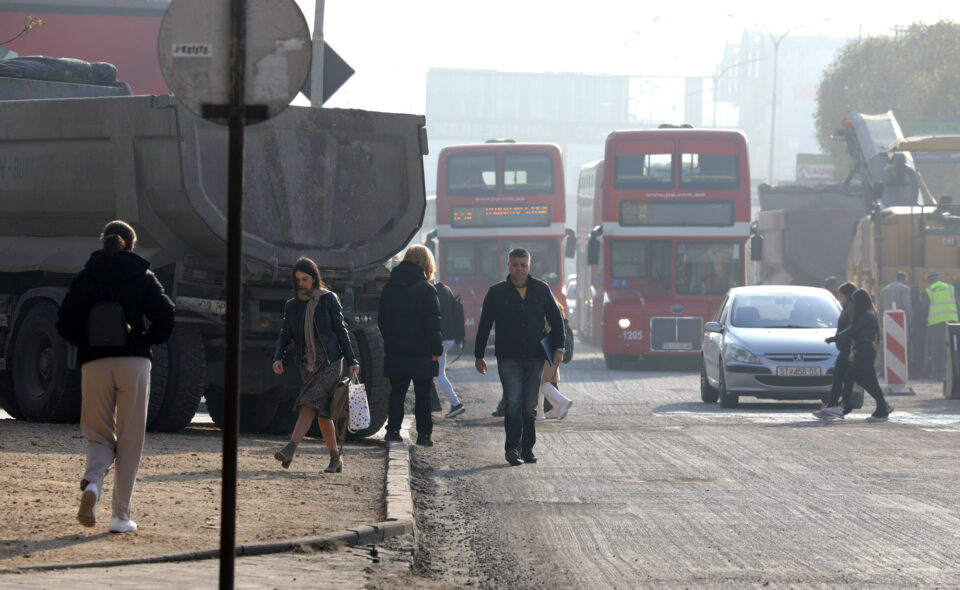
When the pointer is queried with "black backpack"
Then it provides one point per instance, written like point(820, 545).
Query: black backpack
point(457, 316)
point(106, 323)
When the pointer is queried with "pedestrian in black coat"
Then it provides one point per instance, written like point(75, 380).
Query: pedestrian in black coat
point(409, 320)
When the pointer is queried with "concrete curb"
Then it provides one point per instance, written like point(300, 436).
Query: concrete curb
point(399, 521)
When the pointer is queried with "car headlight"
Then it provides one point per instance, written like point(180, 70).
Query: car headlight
point(735, 352)
point(624, 323)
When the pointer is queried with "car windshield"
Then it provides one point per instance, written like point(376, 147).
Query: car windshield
point(785, 310)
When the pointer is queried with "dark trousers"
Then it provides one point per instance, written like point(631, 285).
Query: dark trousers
point(398, 394)
point(937, 350)
point(865, 374)
point(843, 377)
point(520, 379)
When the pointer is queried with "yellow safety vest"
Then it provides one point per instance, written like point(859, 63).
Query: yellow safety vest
point(943, 303)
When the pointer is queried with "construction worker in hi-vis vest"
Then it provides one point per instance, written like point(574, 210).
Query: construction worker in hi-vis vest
point(940, 301)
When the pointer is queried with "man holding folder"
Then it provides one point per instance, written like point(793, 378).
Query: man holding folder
point(518, 307)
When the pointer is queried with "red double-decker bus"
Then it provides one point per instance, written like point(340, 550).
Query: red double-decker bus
point(492, 198)
point(664, 221)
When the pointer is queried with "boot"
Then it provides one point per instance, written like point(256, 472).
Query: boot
point(285, 455)
point(336, 462)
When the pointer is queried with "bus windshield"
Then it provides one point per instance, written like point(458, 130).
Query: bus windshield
point(642, 259)
point(472, 174)
point(484, 262)
point(527, 173)
point(708, 268)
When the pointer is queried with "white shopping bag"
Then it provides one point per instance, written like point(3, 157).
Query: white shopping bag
point(359, 408)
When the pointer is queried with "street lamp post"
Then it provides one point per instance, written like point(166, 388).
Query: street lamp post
point(716, 81)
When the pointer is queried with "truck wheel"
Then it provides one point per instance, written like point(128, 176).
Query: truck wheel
point(257, 412)
point(285, 418)
point(186, 374)
point(368, 345)
point(8, 399)
point(708, 393)
point(45, 389)
point(213, 395)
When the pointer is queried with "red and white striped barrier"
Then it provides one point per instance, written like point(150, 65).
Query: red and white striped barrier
point(895, 352)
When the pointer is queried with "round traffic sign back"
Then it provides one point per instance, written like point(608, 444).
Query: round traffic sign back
point(194, 51)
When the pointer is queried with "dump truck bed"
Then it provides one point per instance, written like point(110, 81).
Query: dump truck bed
point(343, 187)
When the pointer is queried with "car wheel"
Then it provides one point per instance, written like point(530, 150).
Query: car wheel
point(727, 399)
point(708, 393)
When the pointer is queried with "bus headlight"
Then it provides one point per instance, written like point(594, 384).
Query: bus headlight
point(624, 323)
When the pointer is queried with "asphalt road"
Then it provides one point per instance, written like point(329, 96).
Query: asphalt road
point(642, 485)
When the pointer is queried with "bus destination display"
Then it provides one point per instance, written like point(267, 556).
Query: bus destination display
point(500, 216)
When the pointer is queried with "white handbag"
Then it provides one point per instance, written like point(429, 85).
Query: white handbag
point(359, 408)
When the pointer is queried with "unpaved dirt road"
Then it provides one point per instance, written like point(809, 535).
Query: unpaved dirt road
point(642, 485)
point(177, 499)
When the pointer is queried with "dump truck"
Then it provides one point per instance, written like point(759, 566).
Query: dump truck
point(343, 187)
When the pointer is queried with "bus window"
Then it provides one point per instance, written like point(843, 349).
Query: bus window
point(471, 174)
point(527, 173)
point(709, 171)
point(628, 259)
point(544, 258)
point(708, 268)
point(644, 171)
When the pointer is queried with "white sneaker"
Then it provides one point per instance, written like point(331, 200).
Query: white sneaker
point(87, 515)
point(118, 525)
point(562, 412)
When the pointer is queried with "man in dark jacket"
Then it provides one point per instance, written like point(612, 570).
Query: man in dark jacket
point(409, 320)
point(115, 370)
point(520, 307)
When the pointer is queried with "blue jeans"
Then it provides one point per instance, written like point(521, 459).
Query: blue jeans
point(521, 386)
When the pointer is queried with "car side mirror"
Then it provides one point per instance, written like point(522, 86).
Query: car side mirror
point(570, 244)
point(593, 246)
point(713, 327)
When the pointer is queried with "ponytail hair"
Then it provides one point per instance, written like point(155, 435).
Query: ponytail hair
point(117, 236)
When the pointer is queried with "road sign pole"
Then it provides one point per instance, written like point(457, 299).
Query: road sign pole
point(316, 64)
point(231, 377)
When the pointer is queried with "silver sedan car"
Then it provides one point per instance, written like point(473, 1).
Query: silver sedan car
point(766, 341)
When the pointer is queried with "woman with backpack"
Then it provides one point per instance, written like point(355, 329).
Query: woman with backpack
point(313, 320)
point(864, 333)
point(103, 316)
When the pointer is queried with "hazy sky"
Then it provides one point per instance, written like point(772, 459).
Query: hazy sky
point(392, 44)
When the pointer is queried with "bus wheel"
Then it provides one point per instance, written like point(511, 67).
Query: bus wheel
point(181, 371)
point(708, 393)
point(45, 389)
point(613, 361)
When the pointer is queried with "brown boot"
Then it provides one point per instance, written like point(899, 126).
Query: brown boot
point(336, 463)
point(285, 455)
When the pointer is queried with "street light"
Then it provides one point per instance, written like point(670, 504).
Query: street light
point(773, 107)
point(716, 80)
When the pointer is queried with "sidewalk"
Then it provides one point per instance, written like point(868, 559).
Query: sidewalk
point(343, 559)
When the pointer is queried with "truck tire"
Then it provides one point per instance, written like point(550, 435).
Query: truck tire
point(186, 374)
point(213, 395)
point(45, 389)
point(8, 399)
point(158, 383)
point(368, 345)
point(257, 412)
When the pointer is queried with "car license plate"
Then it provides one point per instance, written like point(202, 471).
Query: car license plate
point(676, 346)
point(798, 371)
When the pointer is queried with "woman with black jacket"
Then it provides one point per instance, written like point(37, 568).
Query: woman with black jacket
point(842, 375)
point(863, 333)
point(313, 320)
point(409, 319)
point(115, 371)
